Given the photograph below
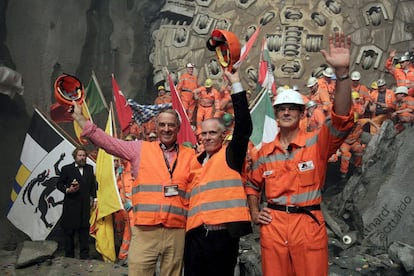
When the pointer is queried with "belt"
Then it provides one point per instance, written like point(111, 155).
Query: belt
point(297, 209)
point(186, 90)
point(214, 227)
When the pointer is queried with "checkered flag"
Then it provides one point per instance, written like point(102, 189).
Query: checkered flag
point(143, 113)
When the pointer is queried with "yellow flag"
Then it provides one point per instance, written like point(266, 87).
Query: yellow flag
point(109, 202)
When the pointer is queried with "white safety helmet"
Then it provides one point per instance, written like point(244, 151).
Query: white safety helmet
point(355, 75)
point(404, 58)
point(311, 82)
point(189, 65)
point(289, 96)
point(401, 90)
point(381, 82)
point(310, 104)
point(328, 72)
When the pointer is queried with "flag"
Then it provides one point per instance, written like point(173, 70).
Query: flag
point(247, 47)
point(186, 133)
point(123, 110)
point(264, 124)
point(143, 113)
point(109, 202)
point(266, 78)
point(94, 97)
point(59, 113)
point(76, 126)
point(35, 203)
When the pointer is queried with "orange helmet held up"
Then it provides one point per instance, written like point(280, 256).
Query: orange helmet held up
point(67, 89)
point(227, 47)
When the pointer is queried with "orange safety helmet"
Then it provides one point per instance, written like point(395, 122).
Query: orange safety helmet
point(67, 89)
point(227, 47)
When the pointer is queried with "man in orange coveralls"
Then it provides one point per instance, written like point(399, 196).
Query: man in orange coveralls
point(291, 170)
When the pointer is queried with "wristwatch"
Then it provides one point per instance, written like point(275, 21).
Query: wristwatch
point(343, 77)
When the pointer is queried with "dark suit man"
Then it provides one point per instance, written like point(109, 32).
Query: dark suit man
point(78, 182)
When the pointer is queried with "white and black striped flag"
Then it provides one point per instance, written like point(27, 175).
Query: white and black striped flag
point(35, 203)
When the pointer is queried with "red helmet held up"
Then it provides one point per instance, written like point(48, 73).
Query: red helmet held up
point(67, 89)
point(227, 47)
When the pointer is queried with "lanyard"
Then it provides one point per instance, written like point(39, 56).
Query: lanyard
point(167, 163)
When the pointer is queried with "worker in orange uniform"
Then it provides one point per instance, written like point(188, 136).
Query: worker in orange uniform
point(185, 87)
point(125, 181)
point(352, 146)
point(382, 105)
point(362, 90)
point(218, 214)
point(404, 75)
point(404, 115)
point(223, 102)
point(320, 96)
point(314, 117)
point(163, 97)
point(205, 97)
point(160, 203)
point(327, 82)
point(292, 169)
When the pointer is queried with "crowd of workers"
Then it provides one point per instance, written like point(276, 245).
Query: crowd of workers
point(187, 208)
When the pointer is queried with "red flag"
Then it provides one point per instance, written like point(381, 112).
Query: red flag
point(247, 47)
point(59, 113)
point(123, 110)
point(186, 133)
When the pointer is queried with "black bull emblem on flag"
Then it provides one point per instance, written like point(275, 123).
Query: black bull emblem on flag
point(48, 186)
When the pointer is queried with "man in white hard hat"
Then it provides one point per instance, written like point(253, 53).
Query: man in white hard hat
point(320, 96)
point(314, 116)
point(403, 73)
point(327, 82)
point(291, 171)
point(382, 105)
point(362, 90)
point(404, 114)
point(185, 87)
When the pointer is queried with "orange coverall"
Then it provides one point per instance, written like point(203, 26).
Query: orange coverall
point(352, 144)
point(185, 88)
point(205, 106)
point(402, 77)
point(390, 102)
point(296, 243)
point(125, 181)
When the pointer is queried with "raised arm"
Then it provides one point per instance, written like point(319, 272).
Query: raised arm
point(338, 57)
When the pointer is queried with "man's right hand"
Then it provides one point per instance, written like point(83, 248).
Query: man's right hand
point(262, 217)
point(77, 114)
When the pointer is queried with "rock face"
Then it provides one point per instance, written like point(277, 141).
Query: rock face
point(35, 252)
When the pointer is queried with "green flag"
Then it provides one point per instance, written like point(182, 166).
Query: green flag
point(94, 97)
point(264, 124)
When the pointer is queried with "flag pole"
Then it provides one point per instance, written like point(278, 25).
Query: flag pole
point(61, 130)
point(99, 90)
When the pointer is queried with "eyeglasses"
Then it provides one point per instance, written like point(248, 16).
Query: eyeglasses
point(283, 108)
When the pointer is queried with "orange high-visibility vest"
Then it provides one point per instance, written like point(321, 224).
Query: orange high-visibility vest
point(217, 195)
point(151, 205)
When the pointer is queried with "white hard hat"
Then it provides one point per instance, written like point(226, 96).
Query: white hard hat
point(328, 72)
point(381, 82)
point(189, 65)
point(289, 96)
point(310, 104)
point(355, 75)
point(401, 90)
point(404, 58)
point(311, 81)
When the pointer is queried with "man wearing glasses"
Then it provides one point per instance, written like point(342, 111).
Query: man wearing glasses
point(290, 171)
